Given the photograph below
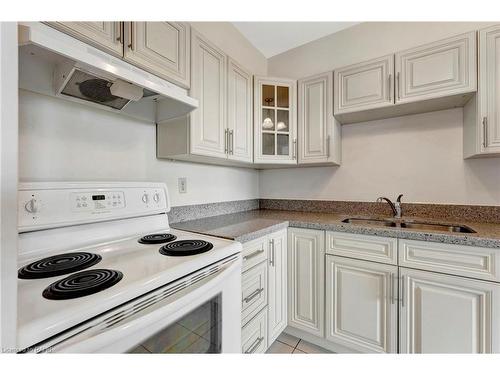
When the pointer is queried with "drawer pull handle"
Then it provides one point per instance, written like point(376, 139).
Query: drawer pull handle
point(402, 291)
point(253, 295)
point(271, 260)
point(254, 346)
point(392, 288)
point(254, 254)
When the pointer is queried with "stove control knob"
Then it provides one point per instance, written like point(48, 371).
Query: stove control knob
point(156, 197)
point(145, 198)
point(32, 206)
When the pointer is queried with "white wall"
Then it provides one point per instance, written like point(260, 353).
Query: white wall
point(8, 185)
point(420, 155)
point(60, 140)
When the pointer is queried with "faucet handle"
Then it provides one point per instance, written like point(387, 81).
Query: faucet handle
point(399, 198)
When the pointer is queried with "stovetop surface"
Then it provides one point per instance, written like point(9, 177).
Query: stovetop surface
point(143, 267)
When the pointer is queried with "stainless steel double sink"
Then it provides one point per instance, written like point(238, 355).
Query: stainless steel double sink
point(410, 224)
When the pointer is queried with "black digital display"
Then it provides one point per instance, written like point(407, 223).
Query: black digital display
point(98, 197)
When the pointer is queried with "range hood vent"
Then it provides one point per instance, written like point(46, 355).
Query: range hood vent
point(82, 73)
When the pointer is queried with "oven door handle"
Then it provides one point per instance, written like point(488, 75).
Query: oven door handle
point(149, 313)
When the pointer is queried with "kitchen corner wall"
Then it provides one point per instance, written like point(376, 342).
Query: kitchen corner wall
point(419, 155)
point(61, 140)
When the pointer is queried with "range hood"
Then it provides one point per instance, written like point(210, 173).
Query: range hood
point(54, 63)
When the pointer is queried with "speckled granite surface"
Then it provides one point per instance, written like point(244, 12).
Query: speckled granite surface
point(196, 211)
point(248, 225)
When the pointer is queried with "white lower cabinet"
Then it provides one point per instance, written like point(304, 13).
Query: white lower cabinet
point(306, 280)
point(361, 307)
point(448, 314)
point(364, 297)
point(277, 282)
point(263, 291)
point(254, 334)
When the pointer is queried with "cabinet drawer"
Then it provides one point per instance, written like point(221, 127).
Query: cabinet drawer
point(374, 248)
point(254, 334)
point(254, 252)
point(469, 261)
point(253, 291)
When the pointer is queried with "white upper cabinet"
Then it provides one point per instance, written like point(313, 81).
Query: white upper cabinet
point(107, 36)
point(306, 280)
point(275, 125)
point(161, 48)
point(361, 305)
point(277, 281)
point(427, 78)
point(318, 131)
point(448, 314)
point(443, 68)
point(208, 121)
point(489, 76)
point(364, 86)
point(239, 113)
point(482, 113)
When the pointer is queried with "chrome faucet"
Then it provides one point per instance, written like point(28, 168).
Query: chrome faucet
point(395, 207)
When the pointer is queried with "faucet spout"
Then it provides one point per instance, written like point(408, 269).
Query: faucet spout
point(395, 207)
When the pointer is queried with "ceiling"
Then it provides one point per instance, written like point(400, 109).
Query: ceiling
point(273, 38)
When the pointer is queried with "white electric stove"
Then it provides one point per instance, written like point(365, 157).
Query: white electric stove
point(100, 270)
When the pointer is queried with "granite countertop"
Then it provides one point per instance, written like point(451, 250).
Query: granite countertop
point(248, 225)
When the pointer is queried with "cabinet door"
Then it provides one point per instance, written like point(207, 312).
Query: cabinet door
point(275, 123)
point(364, 86)
point(306, 265)
point(361, 308)
point(448, 314)
point(443, 68)
point(208, 85)
point(316, 132)
point(161, 48)
point(106, 36)
point(277, 281)
point(489, 89)
point(239, 110)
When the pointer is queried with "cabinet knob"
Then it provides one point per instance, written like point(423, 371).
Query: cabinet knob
point(32, 206)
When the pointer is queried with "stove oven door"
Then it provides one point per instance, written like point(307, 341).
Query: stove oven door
point(198, 314)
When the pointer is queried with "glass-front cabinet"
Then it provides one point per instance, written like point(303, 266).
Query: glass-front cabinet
point(275, 121)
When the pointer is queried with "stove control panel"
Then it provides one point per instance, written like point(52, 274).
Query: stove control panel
point(52, 205)
point(107, 200)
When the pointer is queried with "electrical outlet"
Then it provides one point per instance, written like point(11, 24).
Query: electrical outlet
point(182, 185)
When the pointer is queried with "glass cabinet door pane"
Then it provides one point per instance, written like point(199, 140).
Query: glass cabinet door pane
point(199, 331)
point(283, 144)
point(268, 144)
point(268, 96)
point(283, 101)
point(282, 122)
point(267, 119)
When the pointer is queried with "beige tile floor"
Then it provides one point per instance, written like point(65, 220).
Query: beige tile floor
point(288, 344)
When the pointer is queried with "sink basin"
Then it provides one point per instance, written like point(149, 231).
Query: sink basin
point(368, 221)
point(417, 225)
point(437, 227)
